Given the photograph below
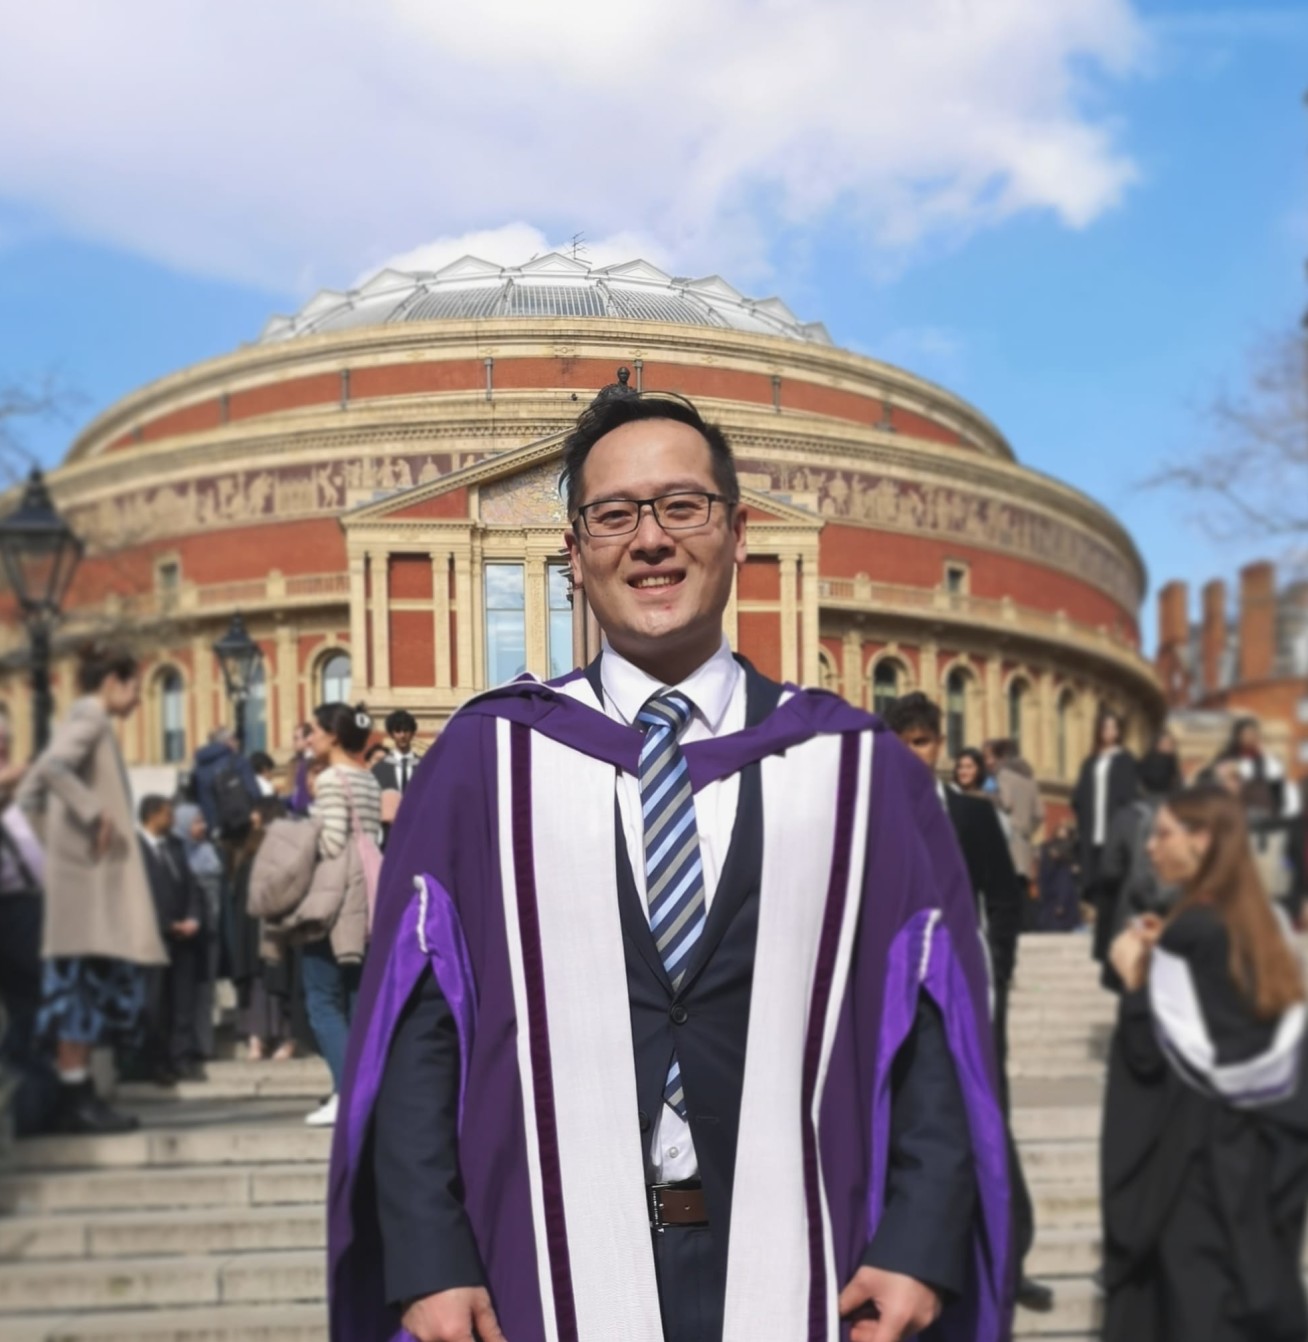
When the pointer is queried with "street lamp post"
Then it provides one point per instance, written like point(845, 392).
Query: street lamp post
point(40, 553)
point(239, 656)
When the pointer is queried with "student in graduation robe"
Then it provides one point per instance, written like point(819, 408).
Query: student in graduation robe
point(674, 1020)
point(1205, 1138)
point(999, 895)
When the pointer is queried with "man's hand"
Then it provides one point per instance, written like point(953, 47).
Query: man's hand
point(105, 834)
point(887, 1306)
point(464, 1314)
point(186, 929)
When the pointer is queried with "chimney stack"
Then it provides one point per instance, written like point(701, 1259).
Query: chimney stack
point(1173, 642)
point(1212, 637)
point(1257, 621)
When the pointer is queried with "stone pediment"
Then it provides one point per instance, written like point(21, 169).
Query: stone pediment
point(520, 488)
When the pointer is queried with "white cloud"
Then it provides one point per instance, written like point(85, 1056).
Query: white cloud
point(302, 143)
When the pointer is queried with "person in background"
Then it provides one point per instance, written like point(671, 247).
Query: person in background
point(302, 766)
point(1266, 788)
point(1130, 885)
point(225, 785)
point(1060, 883)
point(206, 866)
point(263, 987)
point(1017, 794)
point(396, 772)
point(969, 772)
point(1204, 1157)
point(345, 794)
point(179, 905)
point(1108, 781)
point(100, 928)
point(916, 720)
point(265, 772)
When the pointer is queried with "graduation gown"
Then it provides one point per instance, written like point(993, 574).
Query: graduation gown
point(501, 887)
point(1204, 1155)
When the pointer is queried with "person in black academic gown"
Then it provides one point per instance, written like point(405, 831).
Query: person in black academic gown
point(916, 720)
point(1204, 1160)
point(1108, 781)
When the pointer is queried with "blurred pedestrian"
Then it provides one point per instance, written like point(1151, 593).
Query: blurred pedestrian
point(265, 772)
point(970, 772)
point(1017, 794)
point(395, 770)
point(264, 985)
point(1059, 881)
point(174, 1047)
point(347, 802)
point(206, 865)
point(225, 786)
point(1205, 1140)
point(1266, 789)
point(1107, 782)
point(100, 926)
point(302, 767)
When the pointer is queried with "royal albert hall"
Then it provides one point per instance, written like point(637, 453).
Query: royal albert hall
point(372, 485)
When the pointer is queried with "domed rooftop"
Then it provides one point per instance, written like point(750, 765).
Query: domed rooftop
point(548, 286)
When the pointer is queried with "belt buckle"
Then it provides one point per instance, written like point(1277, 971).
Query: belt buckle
point(656, 1221)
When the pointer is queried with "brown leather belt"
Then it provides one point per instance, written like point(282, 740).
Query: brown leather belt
point(676, 1205)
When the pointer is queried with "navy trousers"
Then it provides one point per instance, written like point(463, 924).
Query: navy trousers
point(691, 1284)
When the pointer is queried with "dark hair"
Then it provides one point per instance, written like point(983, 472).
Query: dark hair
point(603, 417)
point(350, 726)
point(401, 720)
point(1238, 729)
point(262, 762)
point(1003, 748)
point(977, 758)
point(1104, 715)
point(912, 712)
point(96, 662)
point(151, 806)
point(1159, 773)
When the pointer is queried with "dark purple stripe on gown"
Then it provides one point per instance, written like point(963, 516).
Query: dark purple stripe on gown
point(533, 969)
point(828, 945)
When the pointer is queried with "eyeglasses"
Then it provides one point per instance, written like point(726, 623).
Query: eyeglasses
point(683, 511)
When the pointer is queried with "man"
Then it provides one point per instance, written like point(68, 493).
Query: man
point(622, 1070)
point(1017, 794)
point(916, 720)
point(225, 786)
point(395, 772)
point(179, 903)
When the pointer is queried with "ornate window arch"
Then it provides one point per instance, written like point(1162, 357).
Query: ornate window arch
point(332, 677)
point(889, 678)
point(1019, 719)
point(961, 687)
point(1065, 716)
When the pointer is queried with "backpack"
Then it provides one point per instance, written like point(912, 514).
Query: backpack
point(233, 806)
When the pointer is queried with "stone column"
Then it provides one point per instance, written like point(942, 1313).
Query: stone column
point(731, 616)
point(440, 590)
point(810, 603)
point(851, 659)
point(359, 677)
point(928, 669)
point(464, 614)
point(536, 615)
point(995, 721)
point(202, 690)
point(380, 605)
point(1045, 758)
point(288, 680)
point(789, 617)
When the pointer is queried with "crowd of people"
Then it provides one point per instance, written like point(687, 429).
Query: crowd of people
point(120, 920)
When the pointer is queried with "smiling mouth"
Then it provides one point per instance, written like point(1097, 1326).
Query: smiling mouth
point(652, 580)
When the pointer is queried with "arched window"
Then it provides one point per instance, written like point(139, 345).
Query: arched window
point(957, 684)
point(172, 715)
point(887, 681)
point(1018, 690)
point(334, 679)
point(1064, 715)
point(254, 712)
point(828, 678)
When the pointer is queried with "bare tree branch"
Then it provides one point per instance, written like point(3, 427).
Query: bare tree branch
point(48, 398)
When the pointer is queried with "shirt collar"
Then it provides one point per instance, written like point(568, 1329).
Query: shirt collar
point(709, 687)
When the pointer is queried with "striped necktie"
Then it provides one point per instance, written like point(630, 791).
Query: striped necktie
point(674, 873)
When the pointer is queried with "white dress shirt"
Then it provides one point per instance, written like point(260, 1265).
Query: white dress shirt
point(1102, 767)
point(405, 766)
point(717, 695)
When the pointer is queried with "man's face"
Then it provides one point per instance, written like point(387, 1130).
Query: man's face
point(161, 821)
point(658, 595)
point(924, 743)
point(403, 740)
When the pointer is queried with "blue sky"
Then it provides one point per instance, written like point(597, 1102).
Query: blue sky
point(1089, 250)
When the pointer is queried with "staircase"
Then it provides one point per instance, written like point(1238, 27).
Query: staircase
point(207, 1224)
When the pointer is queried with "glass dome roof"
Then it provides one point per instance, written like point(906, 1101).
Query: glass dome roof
point(547, 286)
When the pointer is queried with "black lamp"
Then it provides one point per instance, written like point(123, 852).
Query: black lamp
point(239, 656)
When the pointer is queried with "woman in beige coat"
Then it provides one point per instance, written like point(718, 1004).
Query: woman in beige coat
point(101, 929)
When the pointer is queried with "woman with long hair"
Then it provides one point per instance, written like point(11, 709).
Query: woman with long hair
point(347, 804)
point(970, 772)
point(1204, 1159)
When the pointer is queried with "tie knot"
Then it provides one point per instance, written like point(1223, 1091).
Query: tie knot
point(668, 711)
